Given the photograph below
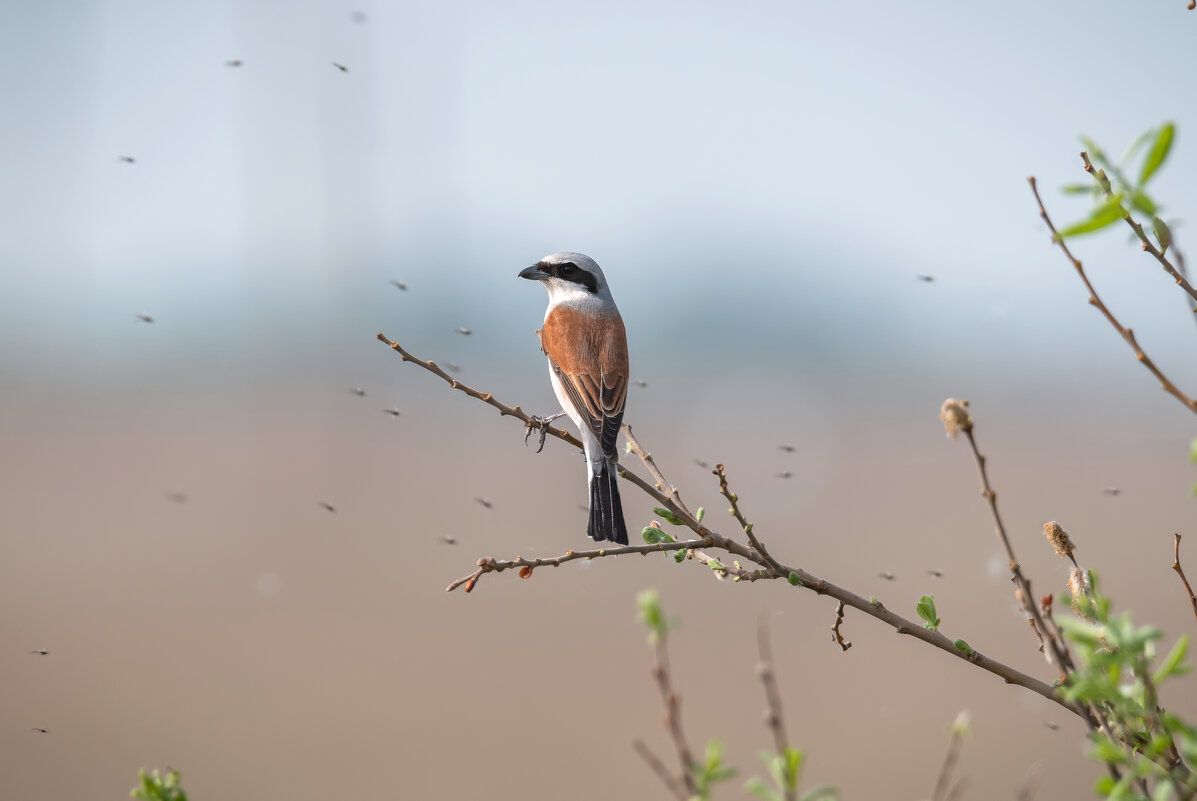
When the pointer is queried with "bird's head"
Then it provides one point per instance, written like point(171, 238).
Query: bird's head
point(569, 277)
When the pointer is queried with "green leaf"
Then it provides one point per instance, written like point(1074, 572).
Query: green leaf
point(761, 790)
point(1162, 234)
point(1078, 189)
point(1144, 203)
point(698, 515)
point(963, 647)
point(793, 768)
point(820, 793)
point(1193, 451)
point(1104, 215)
point(651, 613)
point(797, 582)
point(679, 556)
point(1157, 154)
point(715, 564)
point(652, 535)
point(926, 610)
point(1173, 662)
point(668, 516)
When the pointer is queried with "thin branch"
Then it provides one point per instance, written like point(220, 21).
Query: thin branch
point(488, 564)
point(1137, 227)
point(714, 540)
point(647, 458)
point(1126, 333)
point(835, 629)
point(734, 500)
point(774, 717)
point(1180, 572)
point(943, 781)
point(658, 767)
point(1060, 658)
point(673, 714)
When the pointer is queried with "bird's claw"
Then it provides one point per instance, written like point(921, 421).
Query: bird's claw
point(536, 421)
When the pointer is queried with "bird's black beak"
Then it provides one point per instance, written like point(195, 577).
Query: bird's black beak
point(534, 273)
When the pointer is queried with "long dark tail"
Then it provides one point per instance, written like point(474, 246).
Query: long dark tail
point(606, 510)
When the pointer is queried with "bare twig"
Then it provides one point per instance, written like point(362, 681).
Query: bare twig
point(1180, 572)
point(673, 714)
point(835, 629)
point(1126, 333)
point(1137, 227)
point(943, 787)
point(658, 767)
point(734, 500)
point(1022, 585)
point(647, 458)
point(774, 718)
point(710, 539)
point(488, 564)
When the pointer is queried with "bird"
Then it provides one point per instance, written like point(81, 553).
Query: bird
point(145, 318)
point(327, 506)
point(236, 62)
point(40, 652)
point(465, 332)
point(127, 159)
point(399, 284)
point(341, 67)
point(584, 339)
point(393, 411)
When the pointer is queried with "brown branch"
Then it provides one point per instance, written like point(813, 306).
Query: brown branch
point(1126, 333)
point(714, 540)
point(663, 484)
point(835, 629)
point(735, 512)
point(488, 564)
point(673, 714)
point(943, 787)
point(774, 718)
point(1022, 585)
point(1180, 572)
point(658, 767)
point(1137, 227)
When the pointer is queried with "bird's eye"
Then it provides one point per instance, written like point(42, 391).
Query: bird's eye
point(569, 268)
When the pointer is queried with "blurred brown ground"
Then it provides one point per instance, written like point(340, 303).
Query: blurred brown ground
point(359, 676)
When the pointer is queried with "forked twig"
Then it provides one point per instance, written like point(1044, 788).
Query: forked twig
point(1126, 333)
point(1180, 572)
point(835, 629)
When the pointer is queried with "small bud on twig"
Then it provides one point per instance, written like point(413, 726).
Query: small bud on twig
point(955, 417)
point(1058, 537)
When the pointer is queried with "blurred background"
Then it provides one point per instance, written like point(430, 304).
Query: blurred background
point(763, 186)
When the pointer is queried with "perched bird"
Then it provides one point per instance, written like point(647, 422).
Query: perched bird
point(587, 349)
point(40, 652)
point(341, 67)
point(327, 506)
point(236, 62)
point(127, 159)
point(145, 318)
point(361, 393)
point(465, 332)
point(487, 504)
point(393, 411)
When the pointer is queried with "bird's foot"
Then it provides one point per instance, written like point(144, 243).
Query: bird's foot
point(543, 424)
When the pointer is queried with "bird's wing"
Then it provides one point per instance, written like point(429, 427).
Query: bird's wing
point(589, 356)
